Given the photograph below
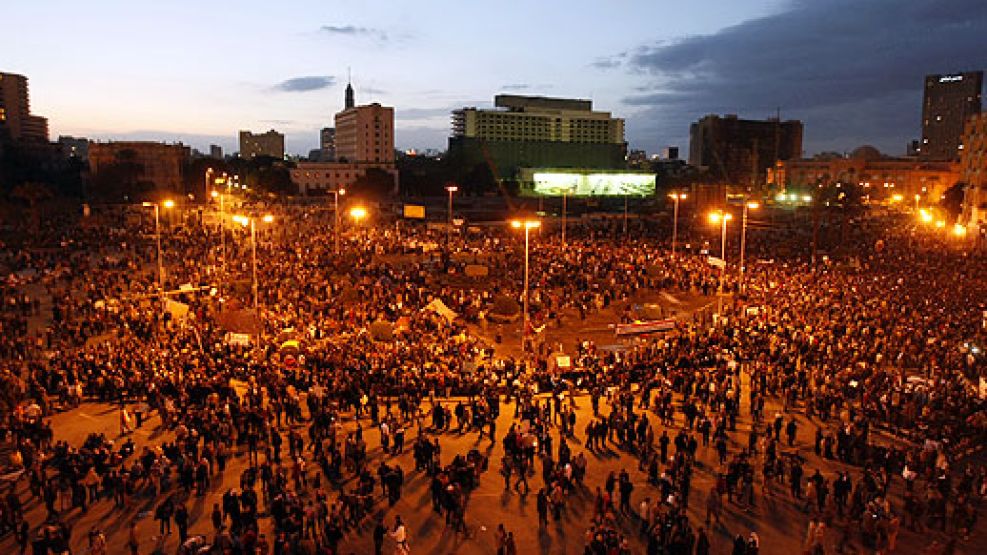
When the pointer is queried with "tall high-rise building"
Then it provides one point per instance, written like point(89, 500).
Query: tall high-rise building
point(270, 144)
point(216, 151)
point(16, 121)
point(740, 151)
point(327, 144)
point(536, 131)
point(365, 134)
point(949, 101)
point(362, 149)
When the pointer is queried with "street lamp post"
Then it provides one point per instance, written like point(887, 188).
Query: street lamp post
point(721, 218)
point(675, 218)
point(209, 172)
point(157, 239)
point(563, 217)
point(335, 202)
point(625, 216)
point(451, 189)
point(527, 225)
point(252, 222)
point(743, 239)
point(222, 234)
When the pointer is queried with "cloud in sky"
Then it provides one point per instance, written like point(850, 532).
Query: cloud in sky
point(606, 62)
point(851, 70)
point(305, 84)
point(354, 31)
point(528, 87)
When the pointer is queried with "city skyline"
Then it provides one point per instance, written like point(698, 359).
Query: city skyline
point(200, 74)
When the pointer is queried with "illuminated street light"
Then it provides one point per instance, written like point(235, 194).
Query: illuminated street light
point(358, 213)
point(252, 222)
point(959, 230)
point(925, 216)
point(940, 224)
point(675, 218)
point(157, 239)
point(527, 225)
point(209, 172)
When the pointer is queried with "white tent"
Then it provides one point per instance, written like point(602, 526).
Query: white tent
point(441, 309)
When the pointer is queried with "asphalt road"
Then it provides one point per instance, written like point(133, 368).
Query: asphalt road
point(780, 525)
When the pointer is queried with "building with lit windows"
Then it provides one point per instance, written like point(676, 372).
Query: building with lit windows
point(880, 176)
point(973, 170)
point(536, 131)
point(949, 102)
point(74, 147)
point(327, 144)
point(16, 122)
point(270, 144)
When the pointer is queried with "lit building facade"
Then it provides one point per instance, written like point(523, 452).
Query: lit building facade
point(535, 131)
point(973, 169)
point(948, 103)
point(879, 176)
point(740, 151)
point(362, 141)
point(16, 121)
point(270, 144)
point(365, 134)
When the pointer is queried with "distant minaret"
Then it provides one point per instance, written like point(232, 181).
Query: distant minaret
point(349, 91)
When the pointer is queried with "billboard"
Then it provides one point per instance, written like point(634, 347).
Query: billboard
point(414, 211)
point(557, 183)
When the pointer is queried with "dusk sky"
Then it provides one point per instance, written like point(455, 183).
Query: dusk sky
point(198, 72)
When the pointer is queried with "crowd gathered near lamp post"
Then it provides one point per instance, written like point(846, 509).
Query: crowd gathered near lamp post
point(313, 367)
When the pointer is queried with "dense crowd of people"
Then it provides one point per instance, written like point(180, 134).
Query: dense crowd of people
point(877, 354)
